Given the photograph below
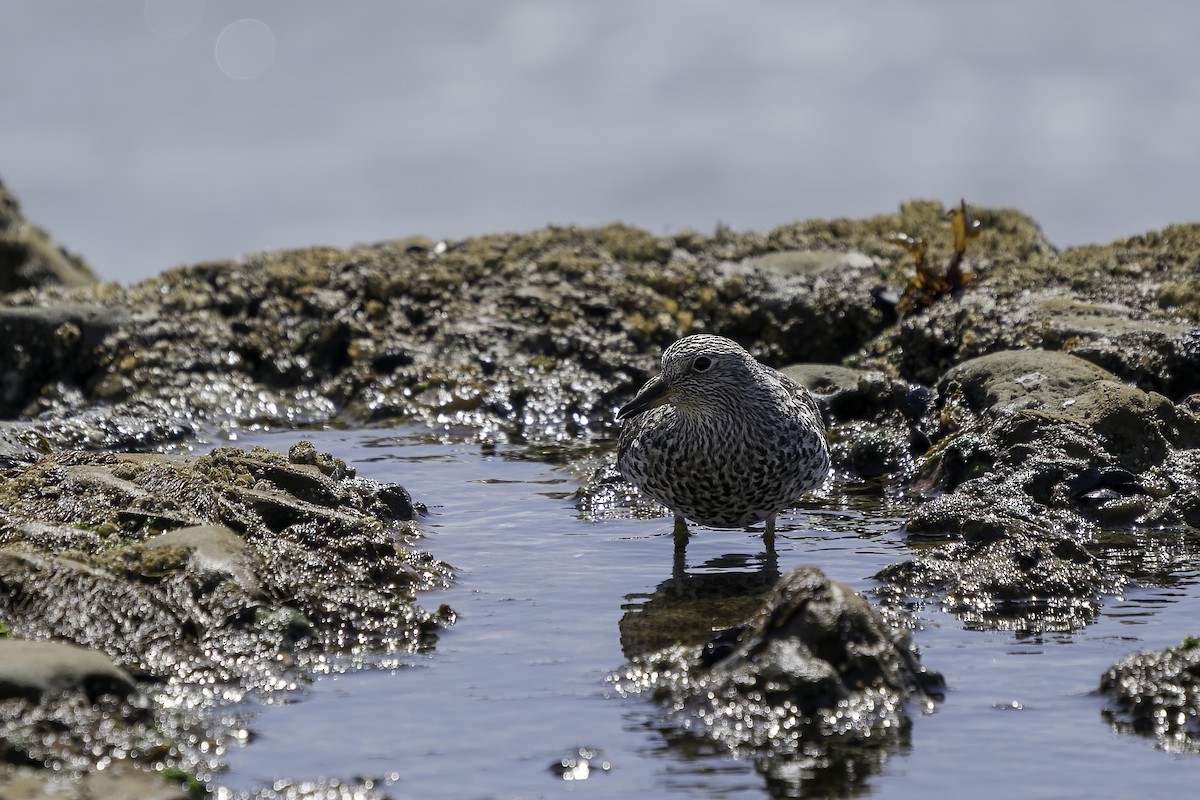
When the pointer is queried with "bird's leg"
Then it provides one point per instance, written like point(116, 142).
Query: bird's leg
point(681, 530)
point(679, 564)
point(769, 535)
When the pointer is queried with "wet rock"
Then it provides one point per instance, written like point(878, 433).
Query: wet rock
point(845, 394)
point(1110, 318)
point(28, 257)
point(67, 708)
point(539, 335)
point(814, 674)
point(1044, 436)
point(875, 422)
point(50, 345)
point(542, 335)
point(207, 578)
point(30, 669)
point(1157, 694)
point(1011, 564)
point(821, 302)
point(1152, 354)
point(70, 425)
point(1038, 449)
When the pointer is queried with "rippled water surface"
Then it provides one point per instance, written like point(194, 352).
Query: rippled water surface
point(518, 683)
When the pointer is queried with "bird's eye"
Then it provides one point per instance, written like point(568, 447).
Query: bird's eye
point(702, 363)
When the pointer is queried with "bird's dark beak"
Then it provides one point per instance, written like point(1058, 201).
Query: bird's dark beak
point(654, 393)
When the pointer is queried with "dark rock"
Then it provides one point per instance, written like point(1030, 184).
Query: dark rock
point(875, 422)
point(1037, 447)
point(846, 394)
point(1011, 564)
point(48, 345)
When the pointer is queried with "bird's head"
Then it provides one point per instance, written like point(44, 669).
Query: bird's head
point(699, 373)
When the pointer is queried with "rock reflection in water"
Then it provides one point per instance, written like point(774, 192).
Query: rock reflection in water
point(803, 675)
point(688, 608)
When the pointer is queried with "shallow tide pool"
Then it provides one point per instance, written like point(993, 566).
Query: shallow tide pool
point(519, 682)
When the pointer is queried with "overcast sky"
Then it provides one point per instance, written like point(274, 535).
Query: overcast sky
point(145, 135)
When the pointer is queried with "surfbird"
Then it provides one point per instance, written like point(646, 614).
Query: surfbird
point(720, 439)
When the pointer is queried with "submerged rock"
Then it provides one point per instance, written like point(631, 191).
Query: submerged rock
point(1157, 694)
point(816, 675)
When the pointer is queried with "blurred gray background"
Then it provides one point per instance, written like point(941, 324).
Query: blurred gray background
point(149, 134)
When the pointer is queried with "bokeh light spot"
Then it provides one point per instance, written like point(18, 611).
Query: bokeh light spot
point(245, 49)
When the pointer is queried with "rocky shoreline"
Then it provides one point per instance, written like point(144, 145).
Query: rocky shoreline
point(1049, 401)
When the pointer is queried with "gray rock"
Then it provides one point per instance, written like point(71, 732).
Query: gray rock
point(1015, 379)
point(269, 565)
point(1037, 447)
point(31, 669)
point(214, 553)
point(808, 263)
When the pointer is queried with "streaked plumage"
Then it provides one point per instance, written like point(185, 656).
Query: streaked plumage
point(721, 439)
